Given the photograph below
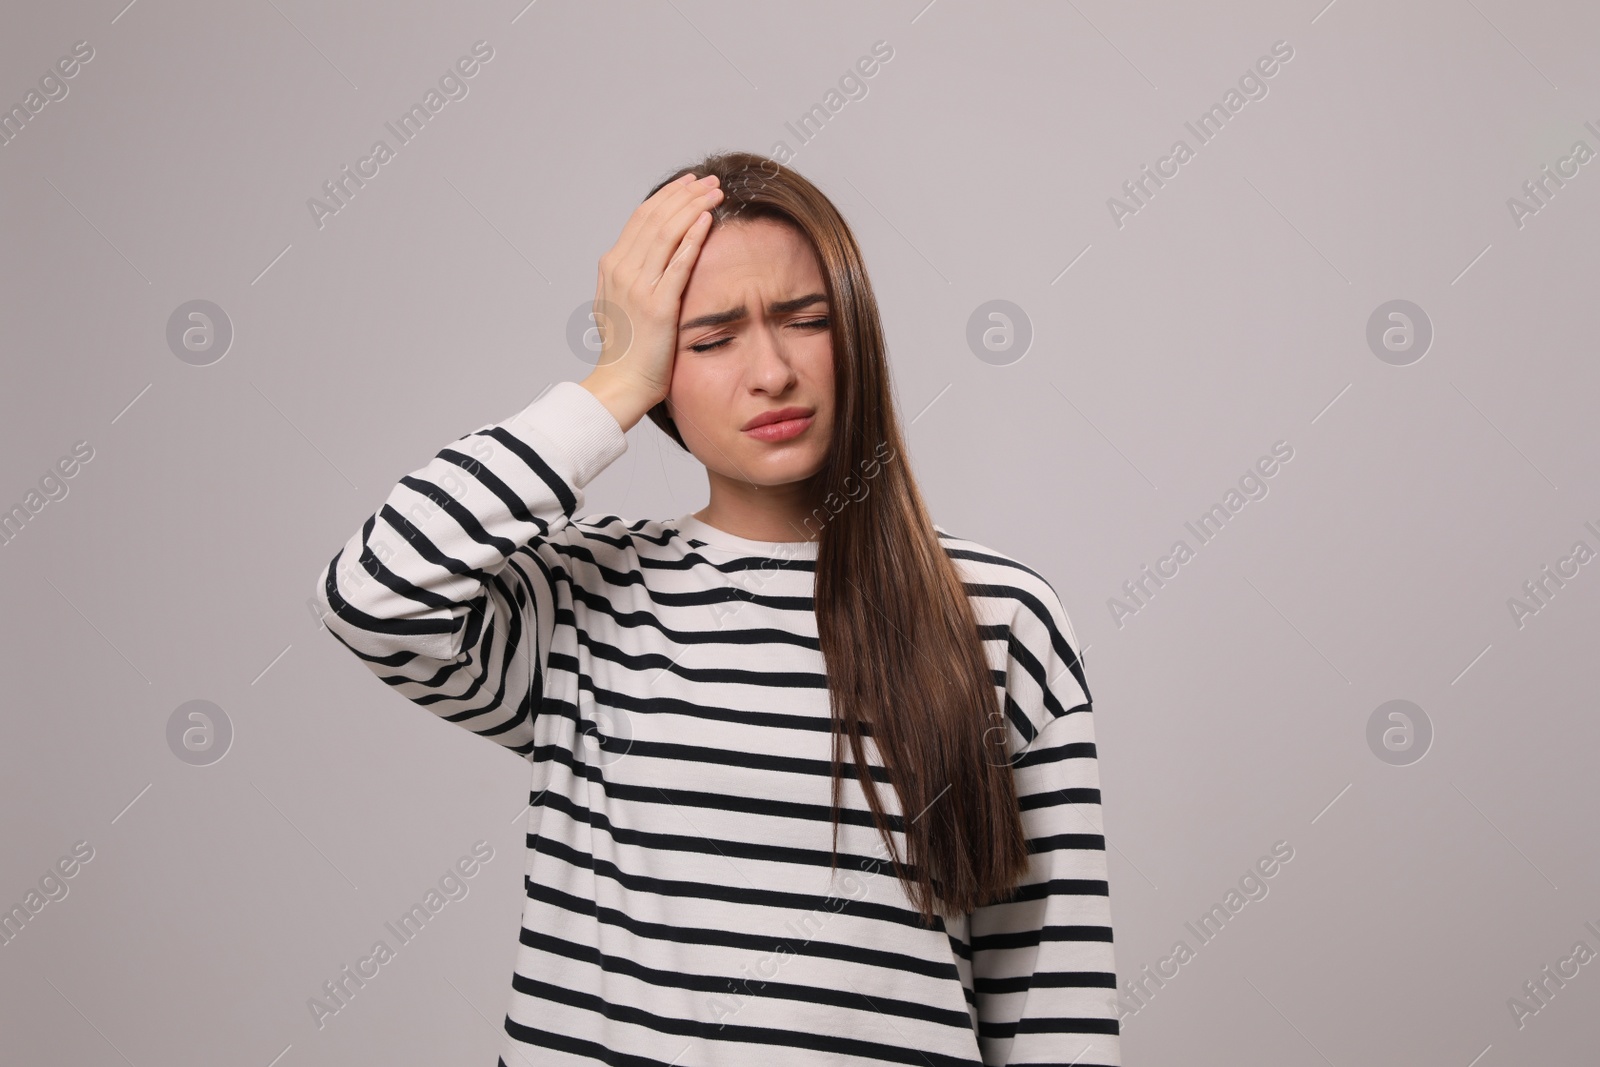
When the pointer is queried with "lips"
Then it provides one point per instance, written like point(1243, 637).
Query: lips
point(777, 415)
point(781, 430)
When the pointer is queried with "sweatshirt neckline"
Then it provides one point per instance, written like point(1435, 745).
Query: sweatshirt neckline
point(696, 530)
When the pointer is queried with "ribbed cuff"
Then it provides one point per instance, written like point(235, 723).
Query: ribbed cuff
point(572, 430)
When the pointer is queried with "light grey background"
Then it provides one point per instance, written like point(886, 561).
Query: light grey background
point(1229, 313)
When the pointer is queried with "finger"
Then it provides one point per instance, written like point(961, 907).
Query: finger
point(662, 229)
point(669, 234)
point(675, 276)
point(643, 221)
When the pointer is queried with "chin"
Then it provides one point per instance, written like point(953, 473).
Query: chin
point(781, 471)
point(785, 475)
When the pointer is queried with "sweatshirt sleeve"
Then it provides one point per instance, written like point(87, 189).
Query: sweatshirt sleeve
point(1042, 960)
point(446, 593)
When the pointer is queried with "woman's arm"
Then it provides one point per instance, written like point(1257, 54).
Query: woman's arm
point(1042, 962)
point(446, 593)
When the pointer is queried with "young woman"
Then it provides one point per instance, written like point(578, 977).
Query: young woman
point(814, 780)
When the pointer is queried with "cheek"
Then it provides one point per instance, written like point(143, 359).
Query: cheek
point(691, 403)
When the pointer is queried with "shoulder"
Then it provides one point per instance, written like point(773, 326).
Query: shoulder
point(1035, 612)
point(611, 537)
point(995, 572)
point(602, 552)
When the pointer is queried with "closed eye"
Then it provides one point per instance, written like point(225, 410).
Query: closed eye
point(807, 324)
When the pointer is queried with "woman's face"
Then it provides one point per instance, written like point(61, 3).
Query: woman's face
point(766, 347)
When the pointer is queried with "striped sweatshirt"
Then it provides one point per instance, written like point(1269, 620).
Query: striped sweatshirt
point(664, 680)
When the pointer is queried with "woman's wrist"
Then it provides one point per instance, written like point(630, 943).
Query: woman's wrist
point(627, 402)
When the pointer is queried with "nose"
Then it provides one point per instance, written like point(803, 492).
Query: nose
point(770, 370)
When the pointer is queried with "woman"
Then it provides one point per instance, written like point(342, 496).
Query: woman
point(710, 878)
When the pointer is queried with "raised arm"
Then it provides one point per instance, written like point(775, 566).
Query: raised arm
point(447, 593)
point(1042, 962)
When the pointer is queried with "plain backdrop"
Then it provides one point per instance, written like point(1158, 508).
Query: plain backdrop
point(1145, 359)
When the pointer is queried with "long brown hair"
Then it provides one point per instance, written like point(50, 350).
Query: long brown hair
point(900, 641)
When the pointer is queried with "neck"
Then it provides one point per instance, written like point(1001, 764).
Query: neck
point(760, 512)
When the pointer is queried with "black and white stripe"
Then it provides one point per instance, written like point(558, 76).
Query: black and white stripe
point(665, 682)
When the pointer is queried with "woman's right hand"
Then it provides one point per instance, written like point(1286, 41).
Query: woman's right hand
point(639, 293)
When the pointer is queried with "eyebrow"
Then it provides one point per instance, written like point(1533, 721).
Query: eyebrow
point(780, 307)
